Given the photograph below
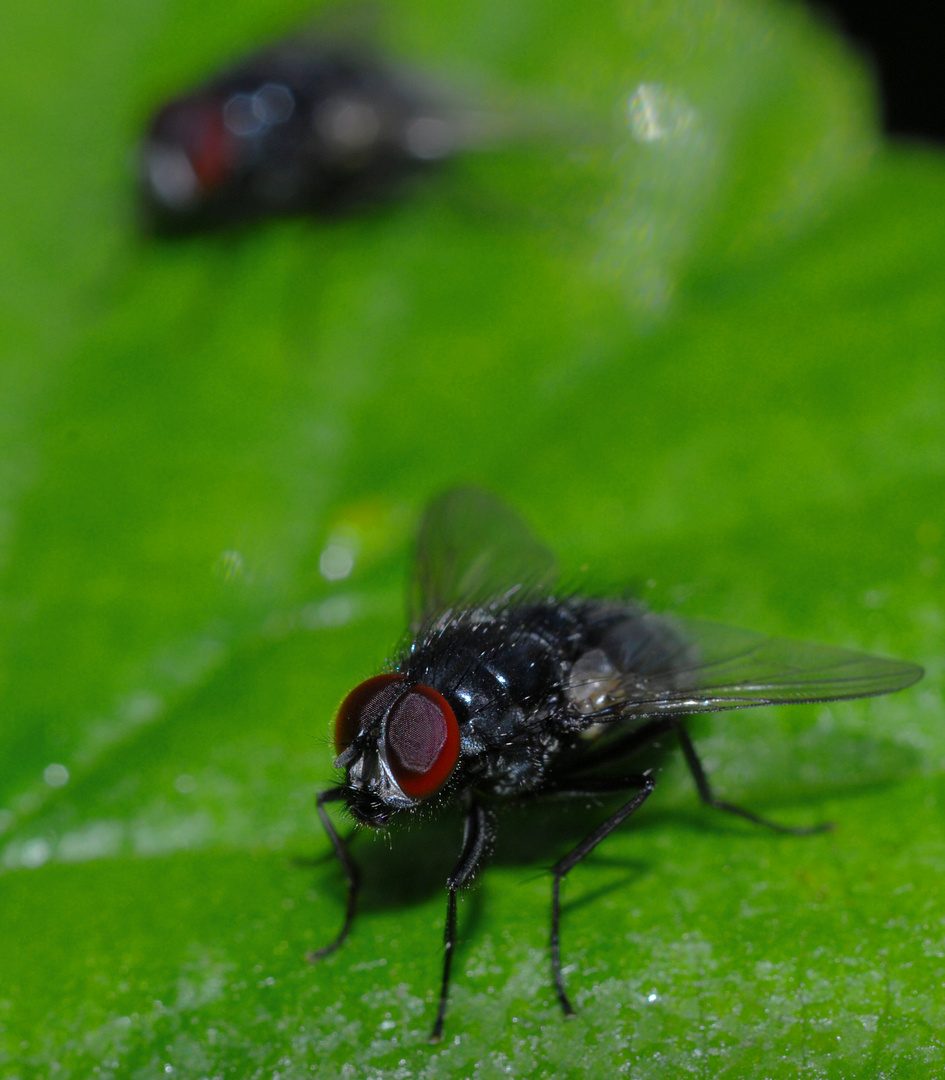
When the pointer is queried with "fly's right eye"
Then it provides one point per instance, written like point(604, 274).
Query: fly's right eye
point(422, 742)
point(367, 702)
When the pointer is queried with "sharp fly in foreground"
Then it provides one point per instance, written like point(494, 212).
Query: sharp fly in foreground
point(507, 692)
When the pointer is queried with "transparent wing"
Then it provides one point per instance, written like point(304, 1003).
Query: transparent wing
point(655, 665)
point(473, 549)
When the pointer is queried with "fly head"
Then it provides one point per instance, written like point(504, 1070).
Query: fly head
point(398, 744)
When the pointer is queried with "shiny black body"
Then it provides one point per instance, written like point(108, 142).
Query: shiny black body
point(506, 693)
point(304, 127)
point(509, 676)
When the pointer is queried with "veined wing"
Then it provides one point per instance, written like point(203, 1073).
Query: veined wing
point(472, 550)
point(656, 665)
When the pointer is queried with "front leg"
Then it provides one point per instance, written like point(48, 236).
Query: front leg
point(478, 834)
point(348, 865)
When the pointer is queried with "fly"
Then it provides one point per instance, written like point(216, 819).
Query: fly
point(506, 693)
point(306, 126)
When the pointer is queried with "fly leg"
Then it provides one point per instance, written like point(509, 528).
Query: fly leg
point(645, 782)
point(706, 795)
point(348, 865)
point(477, 840)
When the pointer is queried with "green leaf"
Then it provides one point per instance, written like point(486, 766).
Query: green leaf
point(689, 320)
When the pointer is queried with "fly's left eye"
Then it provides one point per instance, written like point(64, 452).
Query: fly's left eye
point(207, 143)
point(422, 741)
point(366, 703)
point(189, 152)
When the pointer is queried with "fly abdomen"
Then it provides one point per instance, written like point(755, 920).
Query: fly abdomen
point(624, 647)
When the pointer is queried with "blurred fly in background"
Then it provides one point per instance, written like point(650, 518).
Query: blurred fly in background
point(310, 125)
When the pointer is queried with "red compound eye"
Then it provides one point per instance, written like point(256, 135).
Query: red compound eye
point(195, 126)
point(422, 741)
point(366, 703)
point(209, 147)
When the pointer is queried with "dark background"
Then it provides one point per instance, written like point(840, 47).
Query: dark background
point(906, 44)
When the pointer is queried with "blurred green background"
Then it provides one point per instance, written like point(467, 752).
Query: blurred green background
point(697, 341)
